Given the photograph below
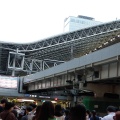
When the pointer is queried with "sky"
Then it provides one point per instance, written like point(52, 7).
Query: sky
point(25, 21)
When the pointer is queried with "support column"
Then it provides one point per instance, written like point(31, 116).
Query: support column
point(13, 71)
point(71, 52)
point(73, 101)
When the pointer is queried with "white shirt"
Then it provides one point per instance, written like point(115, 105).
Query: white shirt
point(87, 117)
point(109, 116)
point(60, 118)
point(30, 115)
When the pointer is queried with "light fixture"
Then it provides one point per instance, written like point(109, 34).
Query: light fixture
point(53, 101)
point(25, 100)
point(105, 43)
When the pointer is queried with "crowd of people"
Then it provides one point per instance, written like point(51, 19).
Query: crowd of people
point(47, 111)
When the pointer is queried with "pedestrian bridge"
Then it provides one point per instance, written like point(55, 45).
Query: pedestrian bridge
point(99, 67)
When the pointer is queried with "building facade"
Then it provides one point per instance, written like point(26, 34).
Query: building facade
point(74, 23)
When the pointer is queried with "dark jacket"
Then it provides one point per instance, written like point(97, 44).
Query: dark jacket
point(1, 109)
point(94, 118)
point(6, 115)
point(24, 117)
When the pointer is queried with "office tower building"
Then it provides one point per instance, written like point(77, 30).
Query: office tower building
point(75, 23)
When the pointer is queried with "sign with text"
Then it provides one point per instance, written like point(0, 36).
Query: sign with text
point(8, 82)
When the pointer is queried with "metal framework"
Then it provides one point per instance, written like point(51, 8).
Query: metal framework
point(18, 62)
point(34, 65)
point(66, 46)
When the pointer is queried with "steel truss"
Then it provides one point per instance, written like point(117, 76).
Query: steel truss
point(34, 65)
point(18, 62)
point(64, 47)
point(67, 38)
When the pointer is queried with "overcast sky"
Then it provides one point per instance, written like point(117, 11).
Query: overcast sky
point(25, 21)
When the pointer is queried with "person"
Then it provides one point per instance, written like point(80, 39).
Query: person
point(47, 111)
point(34, 108)
point(78, 112)
point(94, 116)
point(117, 116)
point(32, 113)
point(58, 112)
point(88, 115)
point(2, 105)
point(111, 112)
point(67, 114)
point(22, 112)
point(15, 113)
point(7, 114)
point(37, 112)
point(28, 109)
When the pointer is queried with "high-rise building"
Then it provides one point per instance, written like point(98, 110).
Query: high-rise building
point(74, 23)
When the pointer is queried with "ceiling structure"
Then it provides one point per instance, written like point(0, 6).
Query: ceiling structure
point(40, 55)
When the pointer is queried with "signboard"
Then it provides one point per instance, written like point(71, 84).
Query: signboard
point(8, 82)
point(27, 95)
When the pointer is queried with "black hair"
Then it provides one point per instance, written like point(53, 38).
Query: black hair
point(58, 107)
point(93, 113)
point(78, 112)
point(9, 105)
point(4, 101)
point(33, 105)
point(29, 108)
point(37, 114)
point(89, 113)
point(58, 110)
point(111, 109)
point(47, 111)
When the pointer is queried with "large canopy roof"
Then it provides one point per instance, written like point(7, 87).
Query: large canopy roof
point(64, 47)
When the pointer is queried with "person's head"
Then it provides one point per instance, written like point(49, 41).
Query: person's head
point(58, 107)
point(88, 113)
point(58, 110)
point(111, 109)
point(33, 105)
point(29, 109)
point(47, 110)
point(9, 106)
point(93, 112)
point(78, 112)
point(3, 102)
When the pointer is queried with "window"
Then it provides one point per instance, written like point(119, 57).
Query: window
point(72, 20)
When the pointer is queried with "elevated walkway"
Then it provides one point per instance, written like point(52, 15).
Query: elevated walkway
point(109, 54)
